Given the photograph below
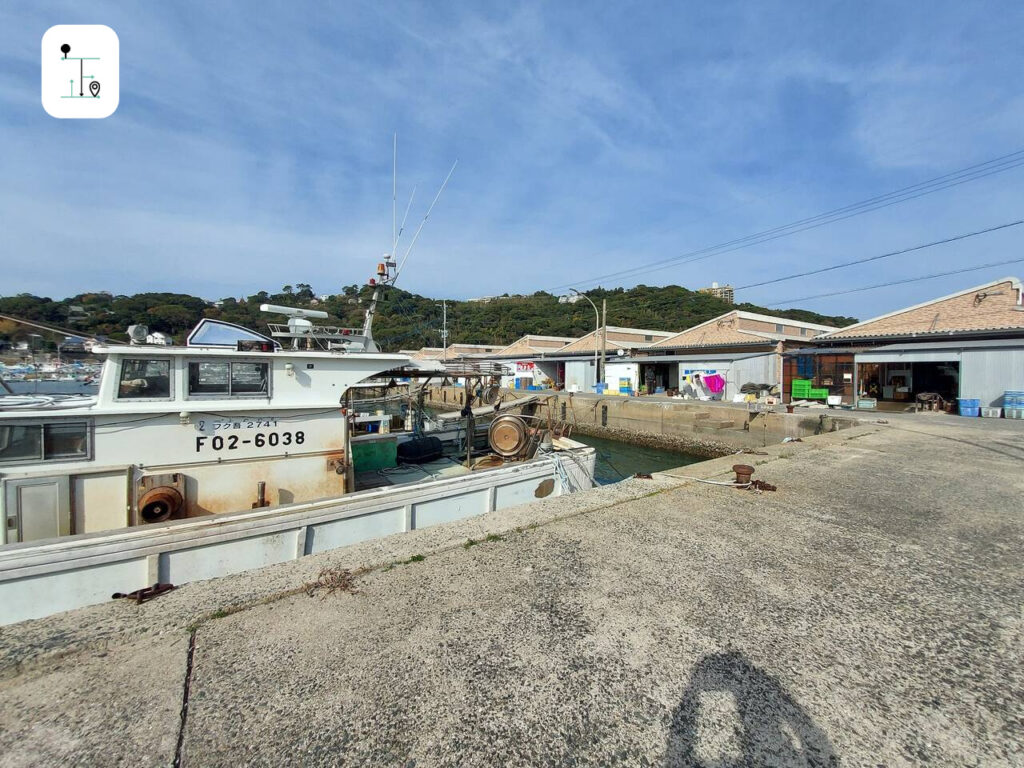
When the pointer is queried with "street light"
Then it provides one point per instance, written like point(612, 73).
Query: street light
point(571, 298)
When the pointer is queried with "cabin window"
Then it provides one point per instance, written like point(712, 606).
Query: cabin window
point(67, 440)
point(227, 379)
point(145, 380)
point(803, 331)
point(779, 328)
point(58, 441)
point(249, 378)
point(21, 443)
point(209, 378)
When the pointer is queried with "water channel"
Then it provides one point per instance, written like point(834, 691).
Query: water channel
point(617, 461)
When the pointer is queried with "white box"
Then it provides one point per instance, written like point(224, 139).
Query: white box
point(80, 71)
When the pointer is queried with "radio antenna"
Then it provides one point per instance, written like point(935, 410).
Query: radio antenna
point(425, 217)
point(401, 229)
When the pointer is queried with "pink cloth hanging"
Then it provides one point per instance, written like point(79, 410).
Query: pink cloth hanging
point(714, 383)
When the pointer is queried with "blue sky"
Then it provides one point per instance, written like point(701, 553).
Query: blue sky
point(252, 145)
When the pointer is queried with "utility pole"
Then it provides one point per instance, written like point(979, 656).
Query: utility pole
point(604, 336)
point(444, 328)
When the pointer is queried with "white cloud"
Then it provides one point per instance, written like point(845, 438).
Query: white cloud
point(254, 146)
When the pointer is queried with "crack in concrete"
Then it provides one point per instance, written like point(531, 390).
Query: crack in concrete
point(186, 690)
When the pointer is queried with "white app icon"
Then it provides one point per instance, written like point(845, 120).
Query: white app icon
point(80, 70)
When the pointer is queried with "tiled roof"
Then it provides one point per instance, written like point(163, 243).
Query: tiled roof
point(739, 327)
point(471, 350)
point(995, 306)
point(534, 345)
point(618, 338)
point(426, 353)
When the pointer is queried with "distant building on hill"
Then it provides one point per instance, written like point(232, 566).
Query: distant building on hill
point(720, 291)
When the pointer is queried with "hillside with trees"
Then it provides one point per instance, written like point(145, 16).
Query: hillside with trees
point(404, 320)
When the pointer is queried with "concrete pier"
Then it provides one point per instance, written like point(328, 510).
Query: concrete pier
point(865, 613)
point(700, 428)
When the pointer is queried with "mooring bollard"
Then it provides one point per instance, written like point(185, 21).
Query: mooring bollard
point(743, 473)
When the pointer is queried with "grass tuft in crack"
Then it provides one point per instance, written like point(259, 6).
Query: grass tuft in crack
point(333, 580)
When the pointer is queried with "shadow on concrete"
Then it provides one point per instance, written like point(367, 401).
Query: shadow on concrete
point(733, 714)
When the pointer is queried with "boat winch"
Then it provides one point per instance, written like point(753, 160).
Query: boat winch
point(507, 435)
point(161, 497)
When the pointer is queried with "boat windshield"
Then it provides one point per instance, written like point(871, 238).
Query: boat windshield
point(217, 333)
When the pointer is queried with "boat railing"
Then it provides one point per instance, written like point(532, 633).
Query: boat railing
point(32, 402)
point(465, 368)
point(333, 332)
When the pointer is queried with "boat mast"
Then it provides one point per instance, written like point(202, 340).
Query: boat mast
point(385, 278)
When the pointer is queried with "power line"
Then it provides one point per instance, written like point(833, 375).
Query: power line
point(720, 250)
point(899, 282)
point(882, 256)
point(937, 184)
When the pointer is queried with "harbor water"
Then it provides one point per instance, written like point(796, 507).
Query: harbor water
point(616, 461)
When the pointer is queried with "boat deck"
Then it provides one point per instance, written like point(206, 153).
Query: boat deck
point(405, 474)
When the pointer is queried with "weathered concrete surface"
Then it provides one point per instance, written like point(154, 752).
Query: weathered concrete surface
point(866, 613)
point(117, 707)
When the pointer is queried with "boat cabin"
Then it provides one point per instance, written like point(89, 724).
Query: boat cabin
point(230, 421)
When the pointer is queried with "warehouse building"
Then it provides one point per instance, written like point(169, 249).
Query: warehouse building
point(969, 344)
point(736, 348)
point(525, 364)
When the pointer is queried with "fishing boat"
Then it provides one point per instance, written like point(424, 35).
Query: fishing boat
point(240, 449)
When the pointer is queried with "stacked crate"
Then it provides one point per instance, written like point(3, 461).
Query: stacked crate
point(801, 389)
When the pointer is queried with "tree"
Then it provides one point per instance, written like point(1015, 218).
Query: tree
point(171, 318)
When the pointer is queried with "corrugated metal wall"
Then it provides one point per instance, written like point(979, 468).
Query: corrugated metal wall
point(762, 369)
point(616, 371)
point(986, 373)
point(580, 373)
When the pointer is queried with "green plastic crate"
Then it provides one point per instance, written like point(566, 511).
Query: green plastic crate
point(801, 387)
point(817, 393)
point(375, 454)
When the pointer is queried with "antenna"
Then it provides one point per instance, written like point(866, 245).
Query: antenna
point(401, 229)
point(425, 217)
point(390, 261)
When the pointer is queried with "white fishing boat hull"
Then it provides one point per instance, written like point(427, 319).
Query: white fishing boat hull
point(41, 578)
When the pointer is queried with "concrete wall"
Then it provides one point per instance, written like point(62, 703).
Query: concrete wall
point(693, 427)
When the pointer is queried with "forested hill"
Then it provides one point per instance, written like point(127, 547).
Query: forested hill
point(404, 320)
